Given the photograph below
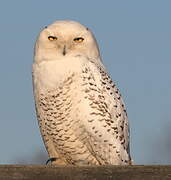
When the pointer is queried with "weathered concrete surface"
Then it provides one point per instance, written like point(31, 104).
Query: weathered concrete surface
point(18, 172)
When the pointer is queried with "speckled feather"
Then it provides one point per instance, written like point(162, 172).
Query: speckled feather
point(81, 113)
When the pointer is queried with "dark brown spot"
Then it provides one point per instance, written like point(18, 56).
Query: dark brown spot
point(87, 90)
point(121, 127)
point(110, 81)
point(123, 142)
point(109, 124)
point(121, 137)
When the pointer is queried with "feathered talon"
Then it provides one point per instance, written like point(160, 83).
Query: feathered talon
point(51, 159)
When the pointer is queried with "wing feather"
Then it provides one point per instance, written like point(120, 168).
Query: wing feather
point(107, 122)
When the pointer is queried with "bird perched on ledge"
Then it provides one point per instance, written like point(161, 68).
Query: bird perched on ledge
point(81, 114)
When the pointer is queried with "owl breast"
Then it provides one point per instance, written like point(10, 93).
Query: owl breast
point(52, 74)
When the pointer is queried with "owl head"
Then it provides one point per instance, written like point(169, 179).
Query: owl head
point(65, 39)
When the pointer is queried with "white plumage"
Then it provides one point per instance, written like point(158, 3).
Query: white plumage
point(80, 111)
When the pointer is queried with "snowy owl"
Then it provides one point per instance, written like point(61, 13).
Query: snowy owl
point(81, 114)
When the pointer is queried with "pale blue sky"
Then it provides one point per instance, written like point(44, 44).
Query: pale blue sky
point(135, 42)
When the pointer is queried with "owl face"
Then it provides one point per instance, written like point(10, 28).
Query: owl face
point(63, 39)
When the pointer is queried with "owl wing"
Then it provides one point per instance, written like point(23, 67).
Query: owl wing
point(107, 122)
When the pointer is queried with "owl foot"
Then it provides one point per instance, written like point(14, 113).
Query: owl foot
point(56, 161)
point(51, 160)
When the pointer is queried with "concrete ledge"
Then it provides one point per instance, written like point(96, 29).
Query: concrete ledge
point(25, 172)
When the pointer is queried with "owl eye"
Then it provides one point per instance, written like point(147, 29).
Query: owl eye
point(52, 38)
point(79, 39)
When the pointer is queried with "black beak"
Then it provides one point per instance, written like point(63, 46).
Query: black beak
point(64, 50)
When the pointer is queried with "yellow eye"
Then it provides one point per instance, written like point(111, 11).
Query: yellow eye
point(79, 39)
point(52, 38)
